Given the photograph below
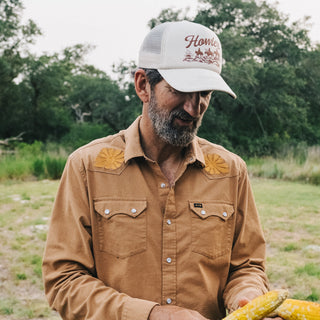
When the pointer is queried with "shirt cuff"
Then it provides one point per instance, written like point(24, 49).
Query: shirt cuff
point(137, 309)
point(242, 294)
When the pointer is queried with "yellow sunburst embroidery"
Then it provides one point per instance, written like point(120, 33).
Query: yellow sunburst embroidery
point(215, 164)
point(109, 158)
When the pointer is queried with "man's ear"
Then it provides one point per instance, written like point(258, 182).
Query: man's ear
point(142, 85)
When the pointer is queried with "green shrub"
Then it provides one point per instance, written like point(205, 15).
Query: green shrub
point(315, 178)
point(30, 150)
point(38, 168)
point(300, 153)
point(13, 168)
point(54, 167)
point(82, 133)
point(299, 163)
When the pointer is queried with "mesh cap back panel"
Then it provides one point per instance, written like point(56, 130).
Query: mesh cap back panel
point(152, 42)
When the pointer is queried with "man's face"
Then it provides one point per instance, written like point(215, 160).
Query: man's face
point(176, 116)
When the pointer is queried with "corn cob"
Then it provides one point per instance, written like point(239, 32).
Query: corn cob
point(259, 307)
point(292, 309)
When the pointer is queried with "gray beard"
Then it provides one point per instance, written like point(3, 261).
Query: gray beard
point(163, 124)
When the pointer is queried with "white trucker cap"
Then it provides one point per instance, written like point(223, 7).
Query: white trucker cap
point(187, 55)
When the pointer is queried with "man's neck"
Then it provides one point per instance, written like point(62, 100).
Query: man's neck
point(168, 157)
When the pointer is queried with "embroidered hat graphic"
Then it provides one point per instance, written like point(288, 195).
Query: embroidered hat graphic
point(205, 55)
point(187, 55)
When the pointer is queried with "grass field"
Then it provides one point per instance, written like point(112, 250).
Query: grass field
point(24, 213)
point(290, 215)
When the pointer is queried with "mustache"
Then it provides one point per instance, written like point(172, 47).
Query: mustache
point(182, 115)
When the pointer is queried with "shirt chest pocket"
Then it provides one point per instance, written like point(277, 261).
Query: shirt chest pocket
point(212, 225)
point(121, 226)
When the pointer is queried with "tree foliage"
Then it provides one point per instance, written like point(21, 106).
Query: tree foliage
point(14, 39)
point(45, 95)
point(267, 63)
point(271, 65)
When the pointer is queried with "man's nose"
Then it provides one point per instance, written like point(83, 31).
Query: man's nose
point(192, 104)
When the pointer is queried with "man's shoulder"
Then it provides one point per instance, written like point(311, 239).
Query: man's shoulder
point(219, 154)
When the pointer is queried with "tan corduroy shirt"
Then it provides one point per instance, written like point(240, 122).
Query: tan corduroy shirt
point(121, 240)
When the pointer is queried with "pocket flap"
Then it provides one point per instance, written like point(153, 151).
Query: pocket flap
point(109, 208)
point(207, 209)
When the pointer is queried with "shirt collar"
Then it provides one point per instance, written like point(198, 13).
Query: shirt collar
point(134, 149)
point(195, 153)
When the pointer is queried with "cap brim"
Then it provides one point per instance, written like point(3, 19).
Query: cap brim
point(193, 80)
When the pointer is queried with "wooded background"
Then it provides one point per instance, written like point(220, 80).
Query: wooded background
point(271, 65)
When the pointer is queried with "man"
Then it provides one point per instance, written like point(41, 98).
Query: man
point(154, 222)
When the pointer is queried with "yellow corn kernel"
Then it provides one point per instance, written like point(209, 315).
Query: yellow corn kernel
point(259, 307)
point(292, 309)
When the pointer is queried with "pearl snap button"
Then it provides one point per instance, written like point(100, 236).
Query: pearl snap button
point(163, 185)
point(225, 214)
point(169, 260)
point(107, 211)
point(133, 210)
point(169, 221)
point(203, 212)
point(169, 301)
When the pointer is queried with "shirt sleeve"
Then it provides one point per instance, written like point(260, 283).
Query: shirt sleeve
point(247, 267)
point(71, 284)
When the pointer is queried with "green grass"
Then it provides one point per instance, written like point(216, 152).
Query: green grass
point(38, 161)
point(309, 269)
point(33, 161)
point(301, 165)
point(291, 247)
point(25, 209)
point(290, 216)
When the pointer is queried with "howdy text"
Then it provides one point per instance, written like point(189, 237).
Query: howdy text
point(199, 42)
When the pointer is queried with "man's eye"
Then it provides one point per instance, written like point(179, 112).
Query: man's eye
point(205, 93)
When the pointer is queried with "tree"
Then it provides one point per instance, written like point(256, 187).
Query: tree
point(263, 64)
point(46, 80)
point(14, 39)
point(45, 95)
point(309, 69)
point(99, 98)
point(271, 65)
